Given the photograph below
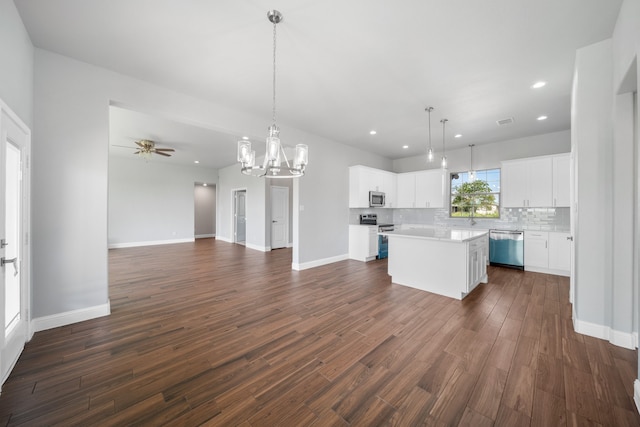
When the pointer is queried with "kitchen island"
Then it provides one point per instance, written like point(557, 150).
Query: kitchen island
point(449, 262)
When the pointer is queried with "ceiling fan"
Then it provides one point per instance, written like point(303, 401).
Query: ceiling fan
point(147, 147)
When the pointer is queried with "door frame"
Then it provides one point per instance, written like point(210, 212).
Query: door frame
point(25, 255)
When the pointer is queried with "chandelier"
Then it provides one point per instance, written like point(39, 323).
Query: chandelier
point(273, 165)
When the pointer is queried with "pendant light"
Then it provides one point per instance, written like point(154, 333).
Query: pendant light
point(472, 173)
point(430, 151)
point(444, 156)
point(273, 166)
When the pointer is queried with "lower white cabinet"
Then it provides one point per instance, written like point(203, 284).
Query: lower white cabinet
point(363, 242)
point(560, 251)
point(477, 257)
point(547, 252)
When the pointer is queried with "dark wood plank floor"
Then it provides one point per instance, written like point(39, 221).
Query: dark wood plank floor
point(217, 334)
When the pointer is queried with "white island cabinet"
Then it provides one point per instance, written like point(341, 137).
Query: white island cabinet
point(443, 261)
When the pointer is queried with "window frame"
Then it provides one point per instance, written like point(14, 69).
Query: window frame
point(463, 177)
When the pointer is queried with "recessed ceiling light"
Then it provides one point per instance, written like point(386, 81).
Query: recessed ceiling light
point(373, 132)
point(204, 184)
point(542, 118)
point(196, 161)
point(458, 135)
point(405, 146)
point(245, 137)
point(538, 85)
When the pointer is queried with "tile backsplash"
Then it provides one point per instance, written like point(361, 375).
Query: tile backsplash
point(551, 219)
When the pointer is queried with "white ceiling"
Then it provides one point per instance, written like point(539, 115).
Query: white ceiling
point(344, 67)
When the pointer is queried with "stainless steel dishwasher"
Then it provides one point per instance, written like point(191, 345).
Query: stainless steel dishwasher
point(506, 248)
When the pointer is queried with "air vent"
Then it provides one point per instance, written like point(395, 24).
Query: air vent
point(506, 121)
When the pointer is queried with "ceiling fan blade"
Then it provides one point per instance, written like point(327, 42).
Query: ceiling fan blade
point(124, 146)
point(163, 154)
point(164, 149)
point(137, 152)
point(138, 143)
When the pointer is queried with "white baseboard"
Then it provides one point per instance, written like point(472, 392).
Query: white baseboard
point(224, 239)
point(258, 248)
point(69, 317)
point(621, 339)
point(548, 271)
point(318, 262)
point(204, 236)
point(636, 393)
point(149, 243)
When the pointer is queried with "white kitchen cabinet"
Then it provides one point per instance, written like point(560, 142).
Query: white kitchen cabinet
point(559, 251)
point(561, 179)
point(422, 189)
point(477, 262)
point(536, 249)
point(547, 252)
point(536, 182)
point(363, 179)
point(406, 193)
point(429, 186)
point(527, 182)
point(363, 242)
point(389, 185)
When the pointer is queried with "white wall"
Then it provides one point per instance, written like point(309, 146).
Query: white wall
point(16, 68)
point(489, 156)
point(70, 153)
point(605, 149)
point(205, 210)
point(592, 142)
point(152, 202)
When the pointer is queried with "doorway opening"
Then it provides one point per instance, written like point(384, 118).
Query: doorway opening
point(204, 198)
point(240, 216)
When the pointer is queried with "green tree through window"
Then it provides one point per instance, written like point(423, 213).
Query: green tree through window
point(479, 198)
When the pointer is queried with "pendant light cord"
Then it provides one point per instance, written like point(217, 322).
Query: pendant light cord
point(274, 74)
point(444, 121)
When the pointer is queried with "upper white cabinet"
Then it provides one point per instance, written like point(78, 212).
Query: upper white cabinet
point(535, 182)
point(429, 189)
point(406, 193)
point(421, 189)
point(561, 178)
point(424, 189)
point(363, 179)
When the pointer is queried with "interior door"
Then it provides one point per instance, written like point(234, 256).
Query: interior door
point(240, 216)
point(279, 217)
point(14, 146)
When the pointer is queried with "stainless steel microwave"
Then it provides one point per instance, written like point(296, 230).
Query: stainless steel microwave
point(376, 199)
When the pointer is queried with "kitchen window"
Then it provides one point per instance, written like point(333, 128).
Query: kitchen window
point(479, 198)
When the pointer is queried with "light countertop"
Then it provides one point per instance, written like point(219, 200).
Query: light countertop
point(450, 234)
